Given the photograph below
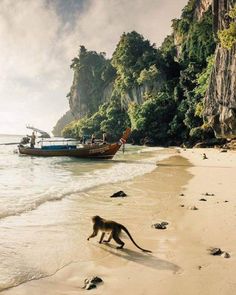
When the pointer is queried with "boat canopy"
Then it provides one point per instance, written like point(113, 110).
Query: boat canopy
point(44, 134)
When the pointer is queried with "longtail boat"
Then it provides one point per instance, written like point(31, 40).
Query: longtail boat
point(101, 151)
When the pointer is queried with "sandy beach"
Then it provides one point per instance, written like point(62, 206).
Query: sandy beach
point(180, 262)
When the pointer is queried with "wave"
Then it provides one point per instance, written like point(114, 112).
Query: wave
point(120, 171)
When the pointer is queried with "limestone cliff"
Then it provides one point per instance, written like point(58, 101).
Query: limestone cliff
point(79, 102)
point(201, 6)
point(186, 30)
point(220, 100)
point(84, 98)
point(67, 118)
point(94, 84)
point(137, 93)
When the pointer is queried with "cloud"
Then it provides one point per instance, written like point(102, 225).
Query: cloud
point(104, 21)
point(34, 65)
point(39, 38)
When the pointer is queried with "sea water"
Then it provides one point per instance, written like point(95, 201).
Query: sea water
point(43, 200)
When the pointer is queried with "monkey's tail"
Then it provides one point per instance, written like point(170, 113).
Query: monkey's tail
point(127, 232)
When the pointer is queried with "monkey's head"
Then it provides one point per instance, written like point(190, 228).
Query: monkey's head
point(96, 219)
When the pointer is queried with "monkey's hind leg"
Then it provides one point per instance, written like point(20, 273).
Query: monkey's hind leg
point(102, 236)
point(109, 239)
point(118, 241)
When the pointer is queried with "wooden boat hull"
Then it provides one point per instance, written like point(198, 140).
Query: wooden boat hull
point(105, 151)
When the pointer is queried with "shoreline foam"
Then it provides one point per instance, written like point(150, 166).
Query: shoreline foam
point(122, 170)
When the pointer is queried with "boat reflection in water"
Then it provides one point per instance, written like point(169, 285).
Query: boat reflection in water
point(71, 148)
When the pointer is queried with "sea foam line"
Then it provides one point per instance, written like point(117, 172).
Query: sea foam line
point(117, 173)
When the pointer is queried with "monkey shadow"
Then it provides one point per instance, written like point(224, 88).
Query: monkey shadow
point(146, 259)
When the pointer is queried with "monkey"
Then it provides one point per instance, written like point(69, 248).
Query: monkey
point(112, 227)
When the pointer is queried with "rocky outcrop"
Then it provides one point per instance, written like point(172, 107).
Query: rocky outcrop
point(220, 9)
point(201, 7)
point(220, 100)
point(80, 98)
point(77, 104)
point(92, 82)
point(137, 93)
point(193, 12)
point(83, 99)
point(67, 118)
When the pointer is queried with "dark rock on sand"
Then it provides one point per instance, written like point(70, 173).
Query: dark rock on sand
point(161, 225)
point(202, 199)
point(119, 194)
point(193, 208)
point(92, 283)
point(225, 255)
point(208, 194)
point(181, 195)
point(90, 286)
point(219, 252)
point(181, 205)
point(96, 280)
point(216, 251)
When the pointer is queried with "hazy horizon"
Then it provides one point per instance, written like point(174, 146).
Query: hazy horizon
point(40, 38)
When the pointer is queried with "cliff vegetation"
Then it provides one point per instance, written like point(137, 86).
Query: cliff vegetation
point(159, 92)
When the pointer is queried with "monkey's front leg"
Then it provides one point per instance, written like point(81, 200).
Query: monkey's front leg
point(92, 235)
point(102, 236)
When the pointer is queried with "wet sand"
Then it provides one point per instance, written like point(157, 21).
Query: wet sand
point(180, 263)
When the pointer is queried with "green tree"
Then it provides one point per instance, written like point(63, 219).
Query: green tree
point(152, 118)
point(132, 55)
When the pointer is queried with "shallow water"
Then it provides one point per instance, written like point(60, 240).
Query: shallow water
point(42, 201)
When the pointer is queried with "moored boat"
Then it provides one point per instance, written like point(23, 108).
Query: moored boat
point(70, 149)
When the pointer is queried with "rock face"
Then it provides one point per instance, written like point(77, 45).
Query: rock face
point(201, 7)
point(81, 96)
point(62, 122)
point(220, 100)
point(137, 93)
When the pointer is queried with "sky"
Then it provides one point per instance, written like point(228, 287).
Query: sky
point(39, 38)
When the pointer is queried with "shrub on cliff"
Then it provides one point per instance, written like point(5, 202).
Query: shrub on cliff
point(152, 118)
point(227, 36)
